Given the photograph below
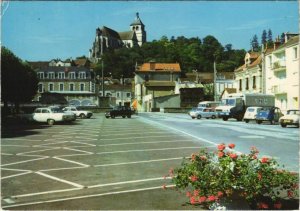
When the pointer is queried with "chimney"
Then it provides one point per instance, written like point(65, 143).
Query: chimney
point(152, 65)
point(277, 43)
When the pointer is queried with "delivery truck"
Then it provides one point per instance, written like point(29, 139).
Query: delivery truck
point(235, 105)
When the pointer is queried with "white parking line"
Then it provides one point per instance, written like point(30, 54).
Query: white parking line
point(60, 180)
point(70, 161)
point(145, 142)
point(88, 196)
point(112, 139)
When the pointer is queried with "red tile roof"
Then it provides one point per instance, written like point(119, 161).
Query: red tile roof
point(160, 67)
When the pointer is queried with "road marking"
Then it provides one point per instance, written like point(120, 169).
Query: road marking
point(261, 137)
point(138, 162)
point(88, 196)
point(24, 161)
point(112, 139)
point(60, 180)
point(15, 175)
point(70, 161)
point(9, 201)
point(147, 150)
point(145, 142)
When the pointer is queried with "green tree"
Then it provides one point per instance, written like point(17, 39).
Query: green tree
point(254, 43)
point(18, 81)
point(264, 37)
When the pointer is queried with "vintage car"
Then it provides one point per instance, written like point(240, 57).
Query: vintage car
point(251, 113)
point(203, 112)
point(292, 117)
point(52, 115)
point(79, 113)
point(122, 111)
point(269, 114)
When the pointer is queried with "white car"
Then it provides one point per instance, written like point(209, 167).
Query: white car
point(81, 114)
point(202, 112)
point(251, 113)
point(52, 115)
point(291, 118)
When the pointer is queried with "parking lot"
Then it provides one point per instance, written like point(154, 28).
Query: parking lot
point(94, 163)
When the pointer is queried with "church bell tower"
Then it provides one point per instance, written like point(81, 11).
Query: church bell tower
point(139, 28)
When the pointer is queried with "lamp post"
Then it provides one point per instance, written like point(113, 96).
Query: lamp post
point(215, 81)
point(102, 67)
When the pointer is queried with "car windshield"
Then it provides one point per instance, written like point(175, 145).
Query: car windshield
point(230, 102)
point(194, 109)
point(56, 110)
point(294, 112)
point(250, 109)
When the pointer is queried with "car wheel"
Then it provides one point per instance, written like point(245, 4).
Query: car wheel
point(123, 116)
point(283, 125)
point(193, 117)
point(247, 120)
point(199, 117)
point(225, 118)
point(50, 121)
point(129, 116)
point(107, 117)
point(82, 116)
point(112, 116)
point(213, 116)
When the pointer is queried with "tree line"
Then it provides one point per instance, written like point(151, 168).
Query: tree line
point(19, 81)
point(191, 53)
point(266, 40)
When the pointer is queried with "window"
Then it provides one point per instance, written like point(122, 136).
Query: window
point(82, 75)
point(254, 82)
point(247, 83)
point(295, 53)
point(61, 75)
point(270, 61)
point(81, 87)
point(72, 75)
point(51, 75)
point(40, 88)
point(45, 111)
point(118, 94)
point(40, 75)
point(71, 87)
point(61, 87)
point(240, 86)
point(128, 94)
point(51, 87)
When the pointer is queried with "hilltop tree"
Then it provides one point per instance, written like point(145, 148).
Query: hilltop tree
point(264, 37)
point(18, 81)
point(270, 37)
point(254, 43)
point(282, 38)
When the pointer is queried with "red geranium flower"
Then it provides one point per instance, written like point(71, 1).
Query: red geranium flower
point(259, 175)
point(193, 157)
point(277, 205)
point(211, 198)
point(188, 194)
point(203, 157)
point(164, 187)
point(290, 194)
point(265, 160)
point(196, 192)
point(263, 205)
point(221, 147)
point(193, 200)
point(231, 146)
point(233, 156)
point(220, 193)
point(194, 178)
point(220, 154)
point(202, 199)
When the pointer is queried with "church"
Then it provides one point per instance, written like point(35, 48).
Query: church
point(107, 38)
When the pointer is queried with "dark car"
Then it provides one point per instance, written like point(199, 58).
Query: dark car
point(270, 114)
point(122, 111)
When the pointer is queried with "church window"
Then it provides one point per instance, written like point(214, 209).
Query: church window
point(136, 28)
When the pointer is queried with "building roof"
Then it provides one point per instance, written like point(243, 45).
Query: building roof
point(129, 35)
point(137, 21)
point(159, 67)
point(39, 64)
point(252, 64)
point(82, 62)
point(160, 83)
point(108, 32)
point(293, 40)
point(63, 69)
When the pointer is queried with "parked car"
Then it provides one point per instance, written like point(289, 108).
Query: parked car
point(52, 115)
point(79, 113)
point(203, 112)
point(291, 118)
point(270, 114)
point(251, 113)
point(122, 111)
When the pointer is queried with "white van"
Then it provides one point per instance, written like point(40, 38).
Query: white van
point(209, 104)
point(251, 113)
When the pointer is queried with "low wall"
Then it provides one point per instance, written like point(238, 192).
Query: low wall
point(176, 110)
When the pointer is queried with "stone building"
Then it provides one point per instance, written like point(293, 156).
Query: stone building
point(108, 38)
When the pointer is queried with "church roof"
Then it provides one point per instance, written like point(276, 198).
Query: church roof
point(137, 21)
point(108, 32)
point(129, 35)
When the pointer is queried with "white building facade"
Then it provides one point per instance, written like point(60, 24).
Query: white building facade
point(282, 74)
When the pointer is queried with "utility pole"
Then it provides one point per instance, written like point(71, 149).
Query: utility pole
point(102, 67)
point(215, 81)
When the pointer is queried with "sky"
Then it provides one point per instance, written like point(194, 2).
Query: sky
point(45, 30)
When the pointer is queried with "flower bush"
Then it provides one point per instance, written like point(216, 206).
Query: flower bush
point(208, 177)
